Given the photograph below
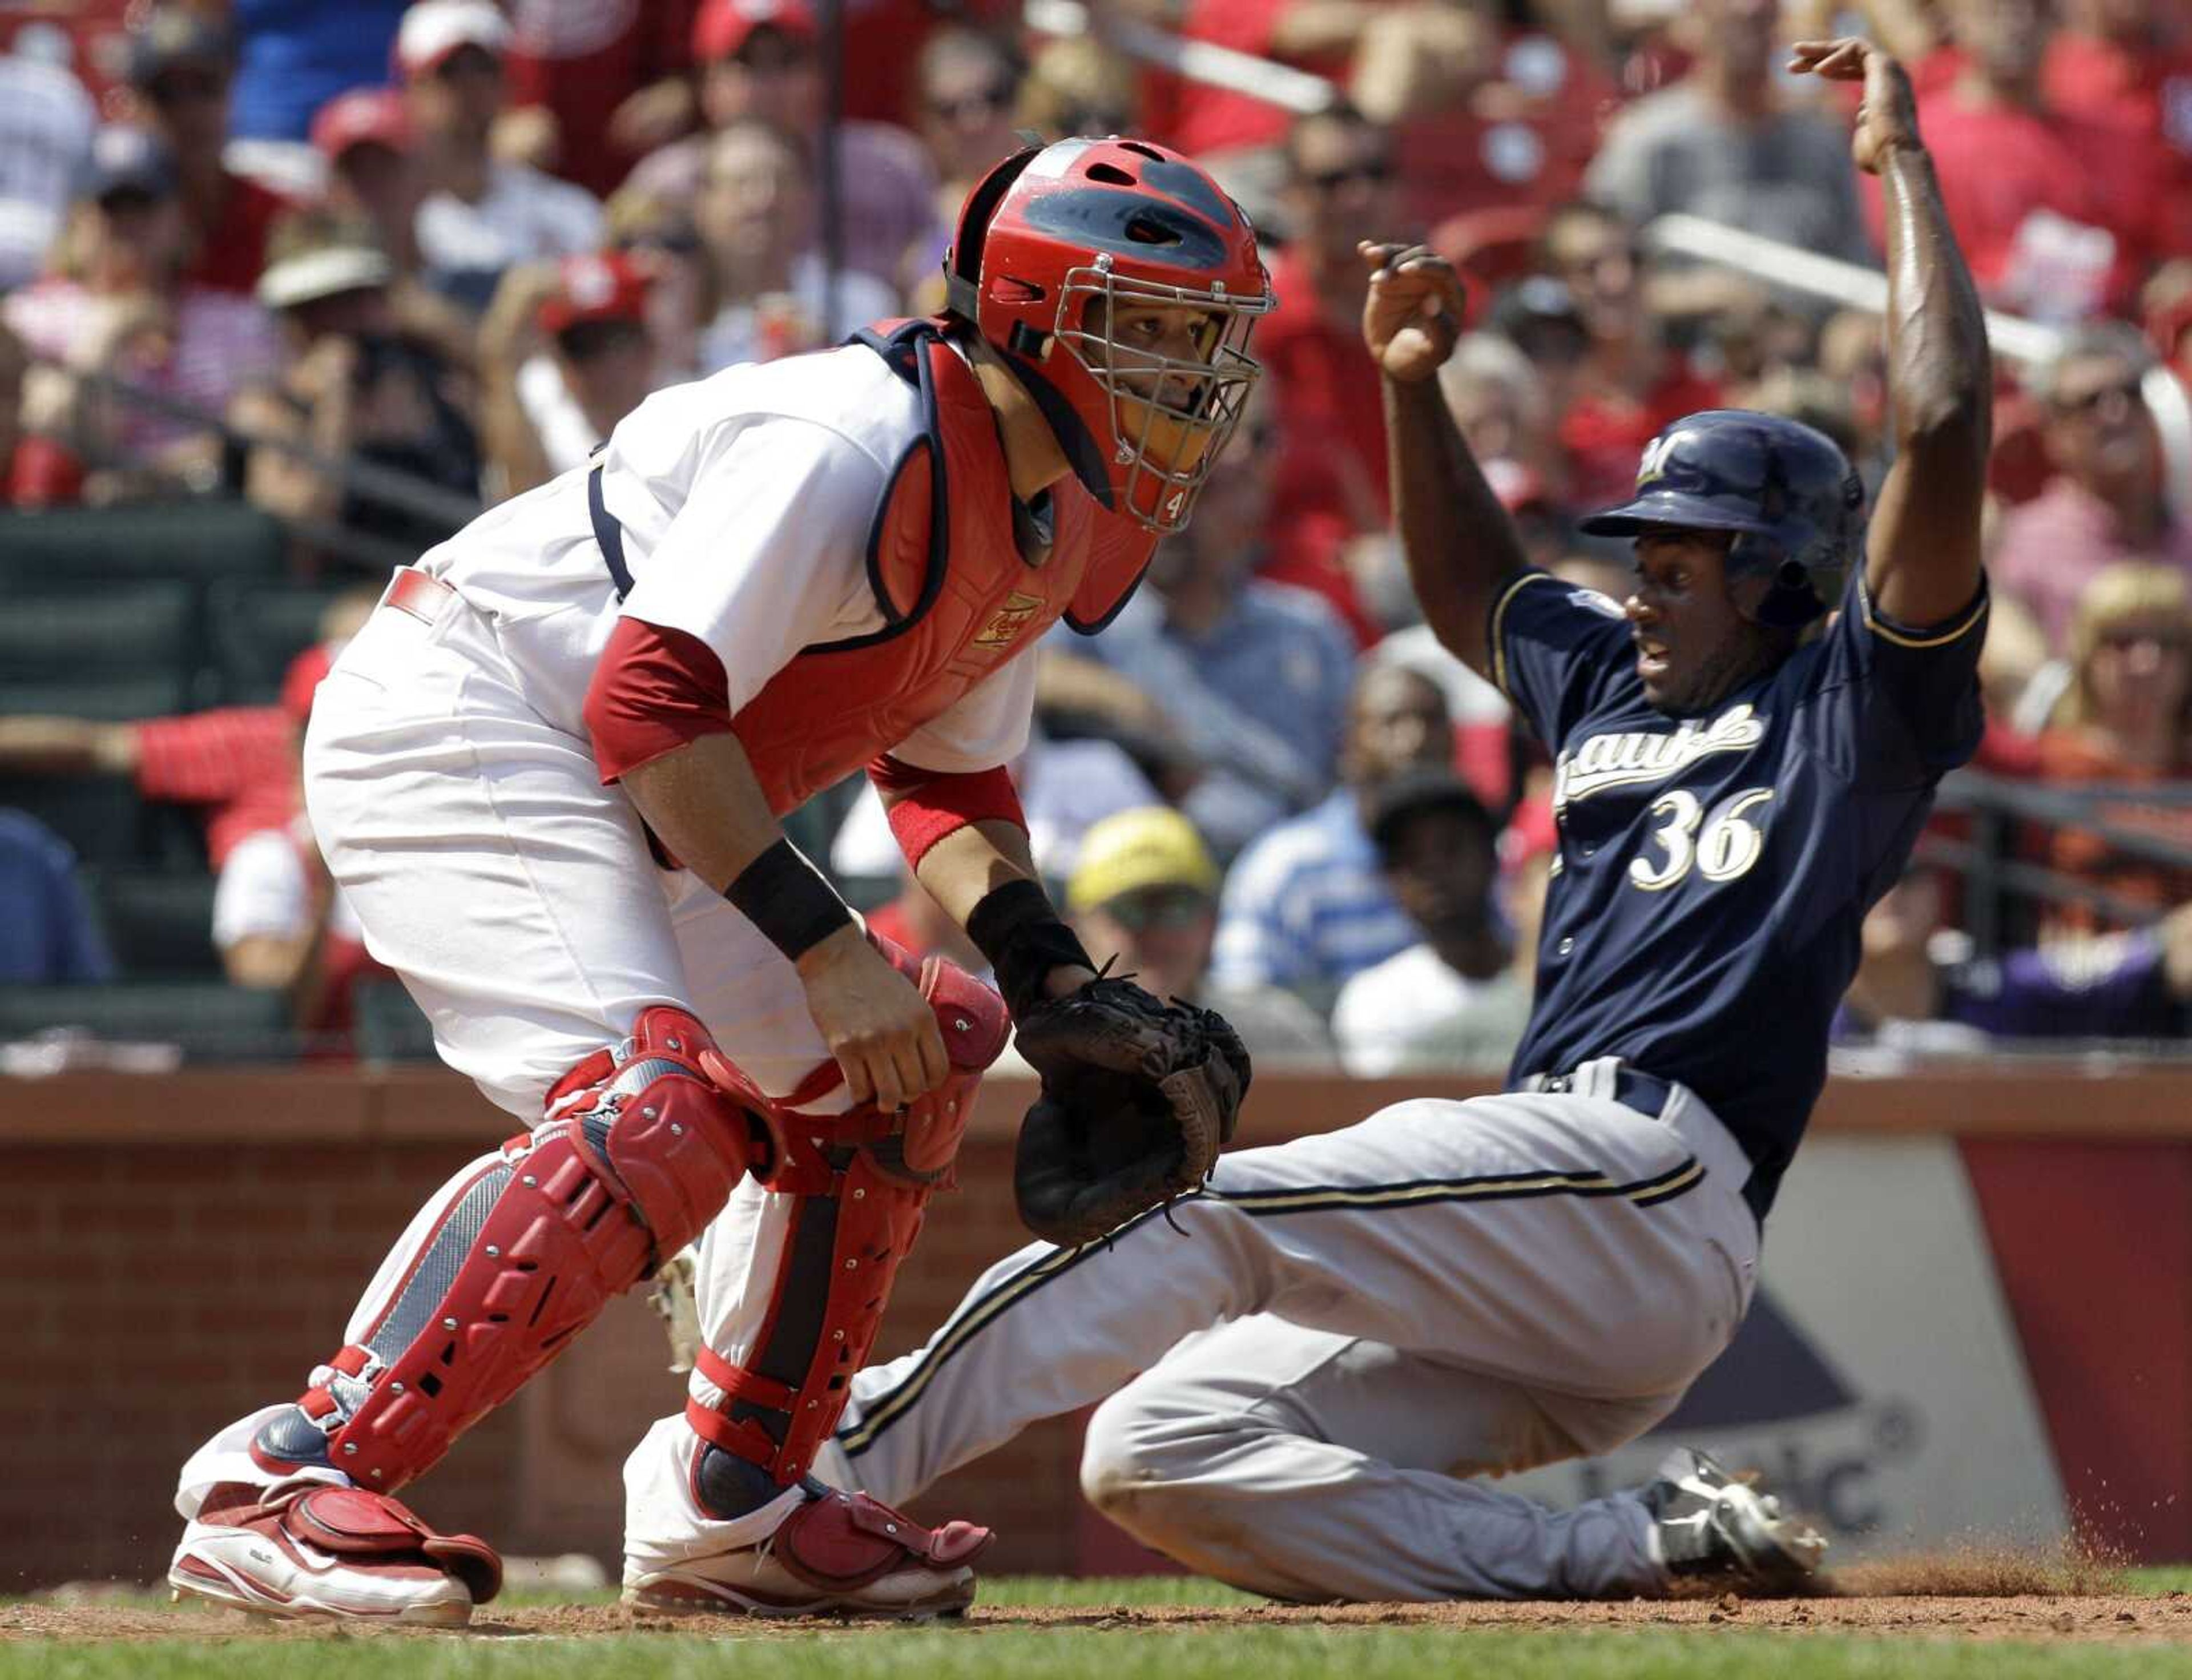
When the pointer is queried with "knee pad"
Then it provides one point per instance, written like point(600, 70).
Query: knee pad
point(642, 1149)
point(862, 1179)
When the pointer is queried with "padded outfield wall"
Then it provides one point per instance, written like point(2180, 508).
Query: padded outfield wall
point(1974, 1321)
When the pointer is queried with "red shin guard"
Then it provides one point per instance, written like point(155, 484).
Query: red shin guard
point(862, 1179)
point(641, 1154)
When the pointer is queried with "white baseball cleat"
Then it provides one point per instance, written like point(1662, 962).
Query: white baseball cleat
point(315, 1549)
point(839, 1554)
point(1707, 1525)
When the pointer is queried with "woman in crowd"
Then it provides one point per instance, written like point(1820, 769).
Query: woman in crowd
point(2125, 718)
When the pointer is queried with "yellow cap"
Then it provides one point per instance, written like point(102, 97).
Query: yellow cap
point(1152, 846)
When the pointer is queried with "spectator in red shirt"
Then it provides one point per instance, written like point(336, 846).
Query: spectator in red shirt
point(2126, 64)
point(578, 65)
point(2052, 212)
point(1483, 122)
point(181, 68)
point(1339, 181)
point(238, 764)
point(1627, 383)
point(2105, 505)
point(2125, 67)
point(1314, 35)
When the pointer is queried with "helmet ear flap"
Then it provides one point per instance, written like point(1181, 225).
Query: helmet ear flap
point(962, 263)
point(1772, 586)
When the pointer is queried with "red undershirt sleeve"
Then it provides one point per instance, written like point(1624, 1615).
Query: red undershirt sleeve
point(655, 690)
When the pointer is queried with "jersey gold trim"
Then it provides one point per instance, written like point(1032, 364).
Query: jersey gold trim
point(1903, 639)
point(1498, 635)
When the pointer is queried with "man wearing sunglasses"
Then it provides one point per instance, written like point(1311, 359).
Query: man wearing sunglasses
point(2105, 504)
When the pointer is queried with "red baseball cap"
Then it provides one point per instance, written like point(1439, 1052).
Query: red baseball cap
point(722, 27)
point(364, 115)
point(608, 287)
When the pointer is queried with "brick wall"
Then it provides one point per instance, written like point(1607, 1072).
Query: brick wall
point(181, 1250)
point(184, 1249)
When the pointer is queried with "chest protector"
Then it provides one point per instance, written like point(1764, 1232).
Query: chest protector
point(958, 598)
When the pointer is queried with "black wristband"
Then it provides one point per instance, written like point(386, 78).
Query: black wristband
point(1016, 928)
point(793, 907)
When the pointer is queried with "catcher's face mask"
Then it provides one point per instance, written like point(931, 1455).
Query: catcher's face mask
point(1120, 282)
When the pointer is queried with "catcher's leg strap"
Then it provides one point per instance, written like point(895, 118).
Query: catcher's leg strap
point(862, 1179)
point(643, 1148)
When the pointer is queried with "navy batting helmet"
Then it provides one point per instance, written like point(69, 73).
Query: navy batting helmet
point(1792, 499)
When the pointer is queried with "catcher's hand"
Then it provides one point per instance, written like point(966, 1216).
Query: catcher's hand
point(1137, 1096)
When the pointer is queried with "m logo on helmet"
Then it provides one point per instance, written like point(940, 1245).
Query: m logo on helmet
point(1653, 463)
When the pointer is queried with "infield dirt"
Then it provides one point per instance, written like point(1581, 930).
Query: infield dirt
point(1976, 1595)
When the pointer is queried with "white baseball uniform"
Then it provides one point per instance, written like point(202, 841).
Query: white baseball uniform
point(453, 786)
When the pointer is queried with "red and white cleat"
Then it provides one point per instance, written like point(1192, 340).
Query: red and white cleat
point(313, 1549)
point(840, 1554)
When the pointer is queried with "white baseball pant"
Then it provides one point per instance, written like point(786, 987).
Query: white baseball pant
point(516, 898)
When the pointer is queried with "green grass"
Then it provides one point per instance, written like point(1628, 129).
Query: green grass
point(211, 1647)
point(1264, 1653)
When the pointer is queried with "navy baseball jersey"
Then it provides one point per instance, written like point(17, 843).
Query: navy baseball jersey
point(1702, 918)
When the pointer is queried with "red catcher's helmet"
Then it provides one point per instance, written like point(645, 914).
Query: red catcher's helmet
point(1052, 245)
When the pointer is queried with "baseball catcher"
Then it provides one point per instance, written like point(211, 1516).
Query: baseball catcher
point(550, 773)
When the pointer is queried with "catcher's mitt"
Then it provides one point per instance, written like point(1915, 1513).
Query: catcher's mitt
point(1137, 1096)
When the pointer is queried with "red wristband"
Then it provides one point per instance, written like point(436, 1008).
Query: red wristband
point(933, 803)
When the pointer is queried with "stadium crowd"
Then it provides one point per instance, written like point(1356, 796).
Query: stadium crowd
point(363, 269)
